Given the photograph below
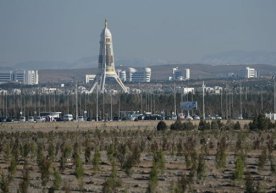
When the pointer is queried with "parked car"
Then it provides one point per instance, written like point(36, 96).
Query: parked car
point(80, 118)
point(22, 119)
point(3, 119)
point(31, 119)
point(196, 117)
point(39, 119)
point(10, 119)
point(68, 117)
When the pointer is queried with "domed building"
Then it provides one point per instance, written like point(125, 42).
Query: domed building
point(141, 75)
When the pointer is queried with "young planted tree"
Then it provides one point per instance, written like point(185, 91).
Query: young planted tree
point(51, 151)
point(24, 184)
point(79, 170)
point(44, 167)
point(182, 185)
point(5, 183)
point(221, 155)
point(113, 182)
point(262, 159)
point(96, 160)
point(12, 166)
point(65, 154)
point(7, 151)
point(57, 179)
point(128, 156)
point(153, 179)
point(239, 167)
point(159, 160)
point(158, 166)
point(111, 152)
point(201, 167)
point(87, 154)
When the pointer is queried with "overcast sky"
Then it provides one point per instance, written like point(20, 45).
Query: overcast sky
point(169, 30)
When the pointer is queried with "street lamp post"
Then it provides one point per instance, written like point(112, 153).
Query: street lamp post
point(203, 102)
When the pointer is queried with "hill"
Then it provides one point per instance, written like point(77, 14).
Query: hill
point(159, 72)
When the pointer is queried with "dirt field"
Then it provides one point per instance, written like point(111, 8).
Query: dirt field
point(193, 161)
point(82, 126)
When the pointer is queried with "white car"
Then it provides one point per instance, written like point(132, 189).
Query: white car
point(68, 117)
point(196, 117)
point(80, 118)
point(31, 119)
point(22, 119)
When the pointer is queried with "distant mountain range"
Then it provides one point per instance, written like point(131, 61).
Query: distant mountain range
point(240, 57)
point(223, 58)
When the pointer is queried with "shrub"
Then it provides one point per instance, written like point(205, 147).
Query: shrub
point(177, 125)
point(188, 125)
point(203, 125)
point(260, 123)
point(161, 126)
point(237, 126)
point(214, 125)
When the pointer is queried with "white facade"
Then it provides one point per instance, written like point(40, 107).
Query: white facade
point(147, 77)
point(250, 73)
point(177, 74)
point(135, 75)
point(188, 90)
point(122, 75)
point(89, 77)
point(188, 74)
point(29, 77)
point(6, 76)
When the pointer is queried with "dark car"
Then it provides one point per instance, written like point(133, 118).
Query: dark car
point(3, 119)
point(10, 119)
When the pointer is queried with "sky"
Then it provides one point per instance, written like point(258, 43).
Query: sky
point(157, 30)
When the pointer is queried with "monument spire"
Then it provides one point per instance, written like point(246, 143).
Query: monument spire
point(105, 23)
point(106, 65)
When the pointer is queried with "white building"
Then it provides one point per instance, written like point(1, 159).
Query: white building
point(89, 78)
point(135, 75)
point(177, 74)
point(250, 73)
point(6, 76)
point(29, 77)
point(187, 90)
point(188, 73)
point(122, 75)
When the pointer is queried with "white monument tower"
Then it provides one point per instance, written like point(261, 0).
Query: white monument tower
point(106, 66)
